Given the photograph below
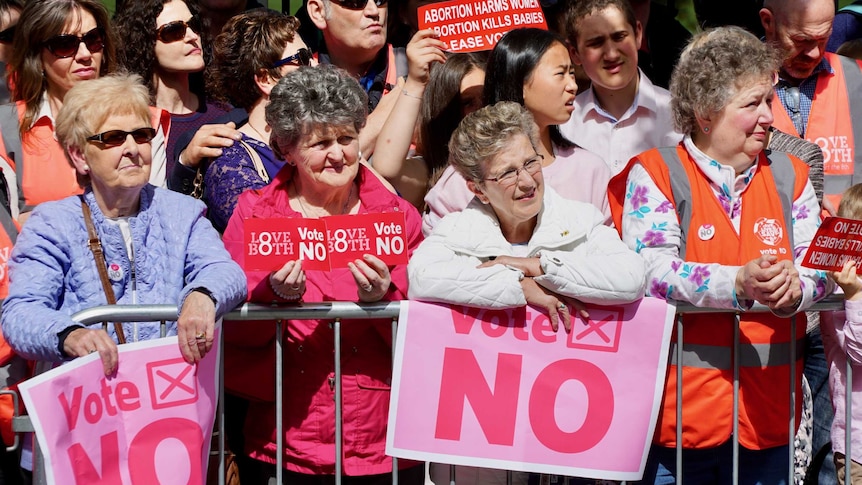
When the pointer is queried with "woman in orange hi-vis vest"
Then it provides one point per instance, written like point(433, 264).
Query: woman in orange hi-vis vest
point(723, 223)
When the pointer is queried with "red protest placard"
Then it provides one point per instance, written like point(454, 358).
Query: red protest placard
point(383, 235)
point(477, 25)
point(269, 243)
point(837, 241)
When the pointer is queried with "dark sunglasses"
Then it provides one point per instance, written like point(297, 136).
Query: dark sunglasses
point(302, 56)
point(66, 45)
point(7, 35)
point(174, 31)
point(358, 4)
point(114, 138)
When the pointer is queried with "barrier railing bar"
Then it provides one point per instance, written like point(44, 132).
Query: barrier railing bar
point(451, 474)
point(279, 403)
point(791, 428)
point(735, 399)
point(679, 361)
point(336, 325)
point(394, 336)
point(337, 310)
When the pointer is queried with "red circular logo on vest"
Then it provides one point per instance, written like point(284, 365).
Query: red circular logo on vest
point(769, 231)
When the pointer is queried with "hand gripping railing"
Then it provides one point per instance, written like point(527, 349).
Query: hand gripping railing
point(337, 311)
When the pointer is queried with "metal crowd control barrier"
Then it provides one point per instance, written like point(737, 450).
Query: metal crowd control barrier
point(336, 311)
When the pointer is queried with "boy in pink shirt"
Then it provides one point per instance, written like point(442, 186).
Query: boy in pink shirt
point(622, 113)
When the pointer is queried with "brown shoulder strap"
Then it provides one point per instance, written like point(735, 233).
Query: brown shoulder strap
point(96, 247)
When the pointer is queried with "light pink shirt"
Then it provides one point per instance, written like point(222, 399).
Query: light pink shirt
point(842, 338)
point(575, 174)
point(647, 124)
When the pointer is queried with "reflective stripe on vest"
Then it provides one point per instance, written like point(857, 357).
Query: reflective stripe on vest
point(721, 358)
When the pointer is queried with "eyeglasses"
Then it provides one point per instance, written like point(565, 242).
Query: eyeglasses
point(7, 35)
point(113, 138)
point(66, 45)
point(510, 177)
point(357, 4)
point(303, 56)
point(174, 31)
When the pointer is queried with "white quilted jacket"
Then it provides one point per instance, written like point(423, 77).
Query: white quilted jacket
point(580, 256)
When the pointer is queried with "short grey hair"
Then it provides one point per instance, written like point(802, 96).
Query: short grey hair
point(712, 68)
point(485, 133)
point(313, 98)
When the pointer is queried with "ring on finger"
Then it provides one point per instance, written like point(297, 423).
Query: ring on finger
point(367, 287)
point(561, 306)
point(295, 288)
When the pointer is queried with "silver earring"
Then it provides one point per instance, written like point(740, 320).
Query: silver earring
point(706, 129)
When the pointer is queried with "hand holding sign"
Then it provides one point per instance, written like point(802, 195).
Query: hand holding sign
point(85, 341)
point(372, 276)
point(848, 280)
point(423, 50)
point(289, 281)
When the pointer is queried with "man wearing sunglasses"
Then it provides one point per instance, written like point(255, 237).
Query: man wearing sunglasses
point(354, 36)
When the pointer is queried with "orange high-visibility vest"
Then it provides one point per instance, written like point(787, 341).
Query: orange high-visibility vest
point(707, 385)
point(837, 102)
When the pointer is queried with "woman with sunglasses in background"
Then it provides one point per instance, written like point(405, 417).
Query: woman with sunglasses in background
point(253, 52)
point(162, 41)
point(57, 43)
point(10, 12)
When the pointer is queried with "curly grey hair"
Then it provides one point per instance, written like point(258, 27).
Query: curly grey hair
point(311, 98)
point(485, 133)
point(712, 68)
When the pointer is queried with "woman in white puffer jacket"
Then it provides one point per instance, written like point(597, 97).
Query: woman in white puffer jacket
point(519, 242)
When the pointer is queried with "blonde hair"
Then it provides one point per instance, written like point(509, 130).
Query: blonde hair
point(851, 203)
point(88, 105)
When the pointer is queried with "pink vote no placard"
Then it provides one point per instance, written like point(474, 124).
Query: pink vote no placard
point(501, 389)
point(326, 243)
point(151, 422)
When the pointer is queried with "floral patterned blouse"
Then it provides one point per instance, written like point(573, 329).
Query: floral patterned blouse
point(651, 228)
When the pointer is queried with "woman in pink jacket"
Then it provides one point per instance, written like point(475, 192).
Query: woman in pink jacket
point(315, 115)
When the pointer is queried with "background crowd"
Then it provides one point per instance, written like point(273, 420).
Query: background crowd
point(616, 155)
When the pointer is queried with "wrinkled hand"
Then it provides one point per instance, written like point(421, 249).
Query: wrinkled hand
point(195, 327)
point(208, 142)
point(371, 276)
point(848, 281)
point(773, 283)
point(85, 341)
point(423, 50)
point(289, 280)
point(556, 306)
point(531, 267)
